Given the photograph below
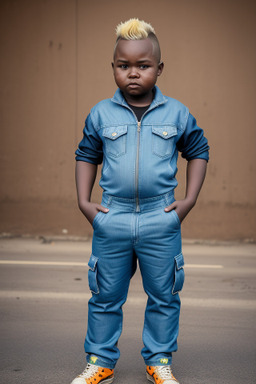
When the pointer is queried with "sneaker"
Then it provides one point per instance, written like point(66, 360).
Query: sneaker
point(161, 374)
point(93, 374)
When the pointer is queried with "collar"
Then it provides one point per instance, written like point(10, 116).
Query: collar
point(159, 98)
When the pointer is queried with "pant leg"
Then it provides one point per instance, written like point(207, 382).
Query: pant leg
point(112, 265)
point(160, 259)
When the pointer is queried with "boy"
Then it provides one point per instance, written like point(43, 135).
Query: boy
point(137, 134)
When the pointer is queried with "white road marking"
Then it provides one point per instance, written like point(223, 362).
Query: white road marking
point(77, 264)
point(206, 266)
point(134, 301)
point(53, 263)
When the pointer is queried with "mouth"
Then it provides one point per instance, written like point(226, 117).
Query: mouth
point(133, 85)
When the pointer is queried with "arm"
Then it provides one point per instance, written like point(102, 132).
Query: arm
point(196, 170)
point(85, 178)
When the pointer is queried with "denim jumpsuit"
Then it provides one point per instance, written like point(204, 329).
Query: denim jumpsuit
point(138, 182)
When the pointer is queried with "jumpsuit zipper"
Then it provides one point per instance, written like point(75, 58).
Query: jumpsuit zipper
point(137, 158)
point(137, 168)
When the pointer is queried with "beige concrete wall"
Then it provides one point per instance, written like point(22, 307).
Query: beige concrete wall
point(55, 65)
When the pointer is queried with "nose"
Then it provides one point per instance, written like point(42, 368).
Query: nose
point(133, 74)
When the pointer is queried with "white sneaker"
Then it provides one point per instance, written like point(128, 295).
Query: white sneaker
point(161, 374)
point(93, 374)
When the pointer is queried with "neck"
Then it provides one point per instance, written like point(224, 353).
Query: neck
point(140, 101)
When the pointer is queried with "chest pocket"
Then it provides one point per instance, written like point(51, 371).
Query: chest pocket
point(163, 140)
point(115, 140)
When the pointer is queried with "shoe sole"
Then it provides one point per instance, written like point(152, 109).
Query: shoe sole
point(150, 378)
point(107, 381)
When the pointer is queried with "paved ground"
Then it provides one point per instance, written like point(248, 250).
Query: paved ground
point(43, 296)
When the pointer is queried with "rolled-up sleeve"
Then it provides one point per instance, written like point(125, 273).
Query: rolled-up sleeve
point(193, 144)
point(90, 147)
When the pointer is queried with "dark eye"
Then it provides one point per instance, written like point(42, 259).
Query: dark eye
point(123, 66)
point(144, 66)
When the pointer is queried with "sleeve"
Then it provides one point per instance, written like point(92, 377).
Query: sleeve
point(193, 144)
point(90, 147)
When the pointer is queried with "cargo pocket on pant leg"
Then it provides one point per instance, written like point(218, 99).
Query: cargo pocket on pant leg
point(179, 274)
point(92, 274)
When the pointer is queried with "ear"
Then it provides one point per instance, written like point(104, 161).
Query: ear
point(160, 68)
point(112, 65)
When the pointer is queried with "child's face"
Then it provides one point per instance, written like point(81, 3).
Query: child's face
point(136, 68)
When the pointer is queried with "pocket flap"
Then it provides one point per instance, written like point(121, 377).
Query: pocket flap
point(93, 262)
point(165, 132)
point(113, 133)
point(179, 261)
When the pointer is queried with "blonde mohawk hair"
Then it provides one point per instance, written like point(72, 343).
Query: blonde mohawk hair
point(134, 29)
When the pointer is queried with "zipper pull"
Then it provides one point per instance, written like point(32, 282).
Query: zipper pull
point(139, 124)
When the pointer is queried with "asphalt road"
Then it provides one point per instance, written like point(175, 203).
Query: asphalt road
point(44, 293)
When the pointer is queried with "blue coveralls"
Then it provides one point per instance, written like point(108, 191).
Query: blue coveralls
point(138, 182)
